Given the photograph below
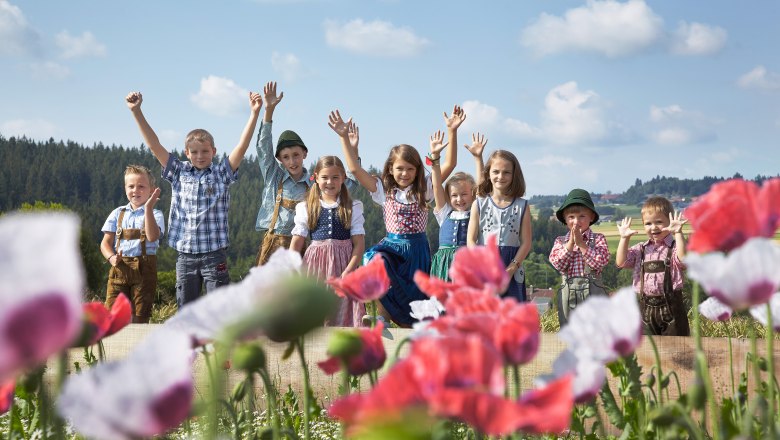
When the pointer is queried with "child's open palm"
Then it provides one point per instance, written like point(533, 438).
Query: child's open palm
point(676, 222)
point(457, 118)
point(152, 199)
point(624, 228)
point(437, 143)
point(354, 134)
point(256, 101)
point(337, 124)
point(271, 99)
point(477, 146)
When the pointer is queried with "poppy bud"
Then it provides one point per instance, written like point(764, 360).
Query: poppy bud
point(344, 343)
point(297, 306)
point(249, 357)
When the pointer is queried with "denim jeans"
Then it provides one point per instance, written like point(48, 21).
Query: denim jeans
point(195, 270)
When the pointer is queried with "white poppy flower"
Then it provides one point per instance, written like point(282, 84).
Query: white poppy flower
point(426, 309)
point(41, 282)
point(715, 310)
point(146, 394)
point(589, 374)
point(759, 312)
point(745, 277)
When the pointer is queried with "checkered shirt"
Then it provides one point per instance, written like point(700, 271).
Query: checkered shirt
point(198, 221)
point(654, 282)
point(572, 263)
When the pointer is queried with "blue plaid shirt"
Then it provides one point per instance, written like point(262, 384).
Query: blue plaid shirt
point(198, 221)
point(133, 219)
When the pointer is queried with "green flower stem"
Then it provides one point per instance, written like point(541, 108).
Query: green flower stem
point(373, 313)
point(345, 377)
point(658, 370)
point(270, 393)
point(516, 379)
point(702, 370)
point(770, 357)
point(216, 391)
point(306, 389)
point(398, 347)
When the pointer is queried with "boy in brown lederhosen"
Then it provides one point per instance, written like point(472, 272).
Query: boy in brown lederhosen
point(131, 237)
point(658, 267)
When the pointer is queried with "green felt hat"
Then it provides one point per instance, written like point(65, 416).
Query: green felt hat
point(287, 139)
point(577, 197)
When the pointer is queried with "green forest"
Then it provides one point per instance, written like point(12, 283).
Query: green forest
point(89, 181)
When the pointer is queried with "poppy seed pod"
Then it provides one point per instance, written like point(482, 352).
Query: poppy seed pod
point(344, 344)
point(249, 357)
point(296, 306)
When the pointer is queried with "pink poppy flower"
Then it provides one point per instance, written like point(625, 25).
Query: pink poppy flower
point(745, 277)
point(146, 394)
point(371, 357)
point(605, 339)
point(41, 281)
point(517, 332)
point(6, 395)
point(715, 310)
point(480, 267)
point(100, 322)
point(733, 212)
point(364, 284)
point(759, 313)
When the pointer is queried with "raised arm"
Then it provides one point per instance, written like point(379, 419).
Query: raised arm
point(625, 231)
point(478, 143)
point(237, 155)
point(473, 231)
point(439, 196)
point(271, 100)
point(452, 122)
point(151, 227)
point(349, 134)
point(133, 101)
point(676, 223)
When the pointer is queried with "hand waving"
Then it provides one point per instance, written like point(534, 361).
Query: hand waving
point(624, 228)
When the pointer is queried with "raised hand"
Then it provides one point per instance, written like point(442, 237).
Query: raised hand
point(354, 134)
point(336, 122)
point(152, 199)
point(478, 143)
point(676, 222)
point(624, 228)
point(271, 99)
point(133, 100)
point(457, 118)
point(437, 143)
point(256, 101)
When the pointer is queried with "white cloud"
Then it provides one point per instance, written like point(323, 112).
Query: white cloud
point(485, 118)
point(82, 46)
point(698, 39)
point(377, 38)
point(49, 70)
point(288, 66)
point(220, 96)
point(16, 35)
point(571, 116)
point(551, 161)
point(609, 27)
point(760, 78)
point(677, 126)
point(31, 128)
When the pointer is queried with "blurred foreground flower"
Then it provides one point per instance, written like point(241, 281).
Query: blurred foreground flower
point(100, 322)
point(6, 395)
point(370, 357)
point(733, 212)
point(715, 310)
point(146, 394)
point(210, 314)
point(760, 313)
point(458, 377)
point(41, 281)
point(364, 284)
point(745, 277)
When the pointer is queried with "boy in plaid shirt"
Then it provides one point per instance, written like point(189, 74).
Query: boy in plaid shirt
point(580, 246)
point(198, 222)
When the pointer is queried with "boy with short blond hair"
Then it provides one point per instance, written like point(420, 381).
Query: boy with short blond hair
point(200, 201)
point(131, 236)
point(658, 267)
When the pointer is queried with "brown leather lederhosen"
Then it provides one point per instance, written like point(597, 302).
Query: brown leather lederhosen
point(136, 277)
point(664, 314)
point(271, 241)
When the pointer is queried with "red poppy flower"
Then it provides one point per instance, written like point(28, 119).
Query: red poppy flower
point(517, 332)
point(6, 395)
point(371, 357)
point(100, 322)
point(364, 284)
point(480, 267)
point(733, 212)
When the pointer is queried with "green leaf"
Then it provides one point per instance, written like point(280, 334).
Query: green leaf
point(610, 406)
point(289, 350)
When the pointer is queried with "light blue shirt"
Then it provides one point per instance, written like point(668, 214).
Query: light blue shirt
point(134, 219)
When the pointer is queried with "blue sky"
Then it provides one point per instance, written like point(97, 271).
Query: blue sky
point(587, 94)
